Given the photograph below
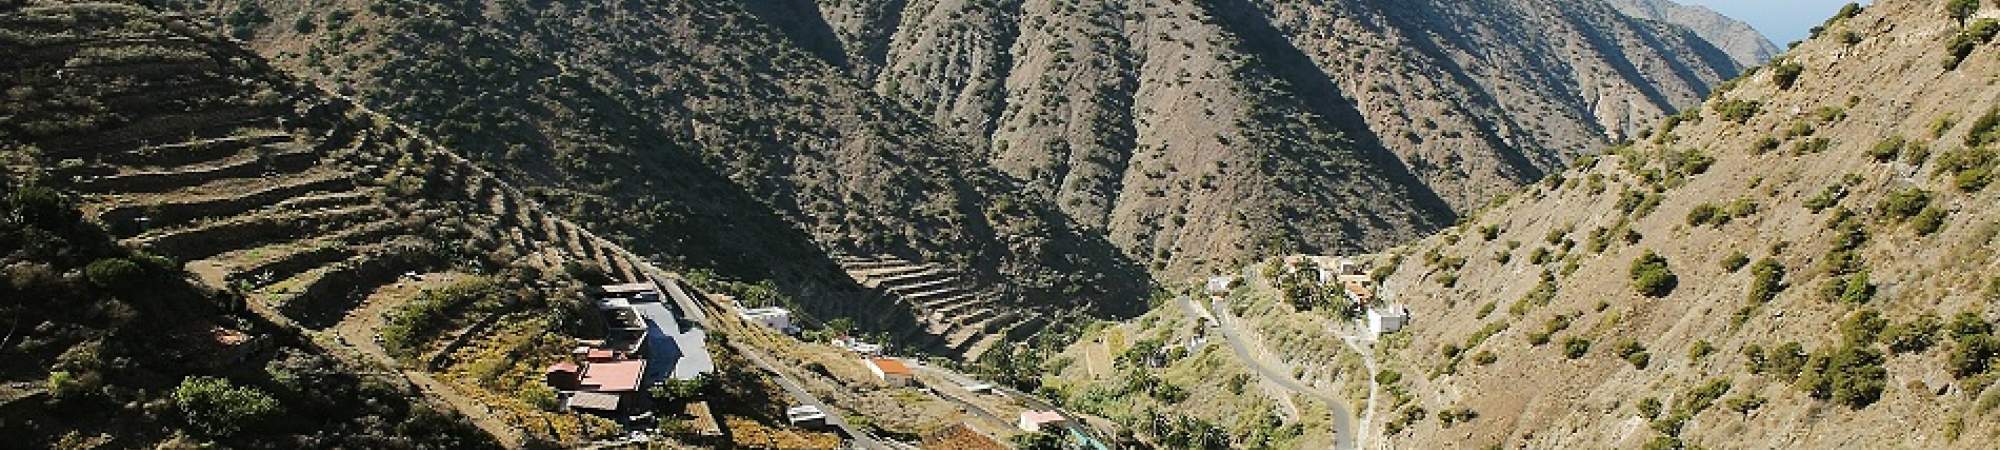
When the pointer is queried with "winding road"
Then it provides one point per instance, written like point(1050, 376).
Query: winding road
point(1343, 420)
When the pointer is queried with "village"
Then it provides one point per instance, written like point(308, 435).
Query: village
point(655, 348)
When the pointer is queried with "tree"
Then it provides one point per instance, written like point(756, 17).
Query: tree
point(1037, 441)
point(1786, 74)
point(112, 273)
point(214, 406)
point(1651, 276)
point(1961, 10)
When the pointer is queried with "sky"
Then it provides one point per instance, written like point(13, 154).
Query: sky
point(1782, 21)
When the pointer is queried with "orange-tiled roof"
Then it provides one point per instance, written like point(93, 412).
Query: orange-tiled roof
point(890, 366)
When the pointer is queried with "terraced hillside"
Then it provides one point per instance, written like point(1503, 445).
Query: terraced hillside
point(1167, 137)
point(326, 218)
point(968, 323)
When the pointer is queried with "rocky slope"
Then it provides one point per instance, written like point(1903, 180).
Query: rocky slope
point(1062, 145)
point(1744, 44)
point(243, 224)
point(1805, 261)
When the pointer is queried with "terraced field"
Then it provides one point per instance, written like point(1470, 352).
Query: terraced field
point(964, 322)
point(259, 184)
point(190, 149)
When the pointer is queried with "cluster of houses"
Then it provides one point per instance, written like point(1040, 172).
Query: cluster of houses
point(647, 342)
point(1347, 274)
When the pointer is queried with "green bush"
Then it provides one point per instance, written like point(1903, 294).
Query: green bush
point(1700, 350)
point(1851, 375)
point(1852, 289)
point(1575, 347)
point(1970, 169)
point(1887, 150)
point(1974, 355)
point(1905, 203)
point(113, 273)
point(1633, 353)
point(1764, 145)
point(1651, 276)
point(1929, 221)
point(1737, 110)
point(1915, 336)
point(1706, 213)
point(1962, 44)
point(1786, 74)
point(1986, 129)
point(1735, 261)
point(217, 408)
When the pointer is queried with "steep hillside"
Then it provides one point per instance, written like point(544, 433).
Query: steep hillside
point(1744, 44)
point(1062, 147)
point(108, 348)
point(1184, 129)
point(1805, 261)
point(366, 246)
point(698, 133)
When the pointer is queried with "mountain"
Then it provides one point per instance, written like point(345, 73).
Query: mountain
point(1744, 44)
point(1804, 261)
point(1051, 151)
point(199, 248)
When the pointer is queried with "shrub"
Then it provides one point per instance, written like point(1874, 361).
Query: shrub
point(1648, 407)
point(1961, 9)
point(1985, 129)
point(1651, 276)
point(1811, 146)
point(1633, 353)
point(1786, 74)
point(1852, 289)
point(217, 408)
point(1700, 350)
point(113, 273)
point(1851, 375)
point(1764, 145)
point(1929, 221)
point(1974, 355)
point(1737, 110)
point(1745, 403)
point(1905, 203)
point(1861, 327)
point(1704, 214)
point(1970, 169)
point(1484, 357)
point(1575, 347)
point(1735, 261)
point(1917, 335)
point(1887, 150)
point(1968, 324)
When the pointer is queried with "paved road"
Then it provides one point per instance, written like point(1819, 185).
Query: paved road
point(800, 395)
point(1343, 421)
point(1367, 361)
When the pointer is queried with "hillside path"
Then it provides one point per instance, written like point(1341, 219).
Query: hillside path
point(1343, 420)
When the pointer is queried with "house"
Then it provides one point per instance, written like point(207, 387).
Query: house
point(806, 416)
point(775, 318)
point(1387, 319)
point(959, 437)
point(855, 345)
point(1358, 291)
point(1220, 285)
point(1034, 421)
point(562, 375)
point(612, 376)
point(641, 291)
point(890, 370)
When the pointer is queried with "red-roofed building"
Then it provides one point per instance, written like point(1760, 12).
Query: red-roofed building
point(614, 376)
point(889, 370)
point(562, 375)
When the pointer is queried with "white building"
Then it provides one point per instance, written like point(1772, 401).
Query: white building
point(771, 317)
point(806, 416)
point(889, 370)
point(1220, 285)
point(1387, 319)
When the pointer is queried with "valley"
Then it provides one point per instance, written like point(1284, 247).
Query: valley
point(994, 224)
